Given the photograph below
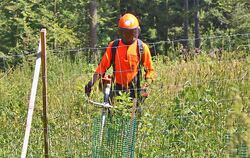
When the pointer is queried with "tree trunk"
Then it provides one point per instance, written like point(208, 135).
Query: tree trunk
point(55, 17)
point(93, 23)
point(123, 7)
point(185, 26)
point(93, 27)
point(196, 25)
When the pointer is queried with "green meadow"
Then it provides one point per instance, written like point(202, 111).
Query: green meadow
point(196, 108)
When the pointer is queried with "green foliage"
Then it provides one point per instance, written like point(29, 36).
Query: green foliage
point(123, 106)
point(22, 20)
point(68, 22)
point(197, 108)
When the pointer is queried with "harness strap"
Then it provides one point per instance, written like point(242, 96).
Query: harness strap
point(140, 50)
point(115, 44)
point(139, 74)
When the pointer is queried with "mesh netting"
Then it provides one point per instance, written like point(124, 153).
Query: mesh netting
point(117, 139)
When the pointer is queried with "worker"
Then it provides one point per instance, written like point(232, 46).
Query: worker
point(127, 56)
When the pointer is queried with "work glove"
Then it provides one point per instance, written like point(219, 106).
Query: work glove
point(88, 88)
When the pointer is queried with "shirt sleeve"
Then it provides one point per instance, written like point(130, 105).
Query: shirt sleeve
point(105, 62)
point(147, 63)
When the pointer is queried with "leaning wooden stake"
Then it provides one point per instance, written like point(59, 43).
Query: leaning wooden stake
point(45, 99)
point(32, 102)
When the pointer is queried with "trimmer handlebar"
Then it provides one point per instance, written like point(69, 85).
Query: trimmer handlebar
point(106, 89)
point(102, 105)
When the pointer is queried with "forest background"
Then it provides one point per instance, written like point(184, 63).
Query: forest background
point(82, 23)
point(198, 105)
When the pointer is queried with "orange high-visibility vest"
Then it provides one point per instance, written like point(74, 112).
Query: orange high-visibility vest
point(126, 62)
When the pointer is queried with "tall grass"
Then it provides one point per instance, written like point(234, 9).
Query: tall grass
point(198, 108)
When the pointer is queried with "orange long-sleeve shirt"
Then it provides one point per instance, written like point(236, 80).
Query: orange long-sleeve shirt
point(126, 62)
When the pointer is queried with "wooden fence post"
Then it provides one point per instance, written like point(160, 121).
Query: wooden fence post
point(45, 98)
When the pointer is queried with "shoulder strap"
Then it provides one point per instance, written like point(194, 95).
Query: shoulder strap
point(140, 49)
point(139, 74)
point(115, 44)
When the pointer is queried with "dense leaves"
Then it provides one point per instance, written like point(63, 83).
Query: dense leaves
point(68, 22)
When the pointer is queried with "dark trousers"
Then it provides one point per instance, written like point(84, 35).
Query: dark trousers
point(118, 88)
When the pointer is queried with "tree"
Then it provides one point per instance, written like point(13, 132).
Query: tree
point(16, 30)
point(24, 19)
point(196, 25)
point(185, 26)
point(93, 23)
point(74, 24)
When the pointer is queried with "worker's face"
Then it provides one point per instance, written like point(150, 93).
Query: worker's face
point(128, 36)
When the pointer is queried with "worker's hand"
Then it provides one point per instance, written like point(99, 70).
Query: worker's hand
point(88, 88)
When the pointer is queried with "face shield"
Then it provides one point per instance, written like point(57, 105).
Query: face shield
point(128, 36)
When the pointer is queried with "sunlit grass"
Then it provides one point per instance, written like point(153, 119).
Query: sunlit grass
point(198, 108)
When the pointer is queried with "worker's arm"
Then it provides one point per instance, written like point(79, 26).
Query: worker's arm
point(100, 70)
point(105, 62)
point(148, 64)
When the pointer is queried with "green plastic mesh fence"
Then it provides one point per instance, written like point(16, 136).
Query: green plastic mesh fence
point(117, 139)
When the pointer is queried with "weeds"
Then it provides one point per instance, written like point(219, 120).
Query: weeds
point(198, 108)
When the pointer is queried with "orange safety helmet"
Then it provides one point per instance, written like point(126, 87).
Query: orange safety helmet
point(128, 21)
